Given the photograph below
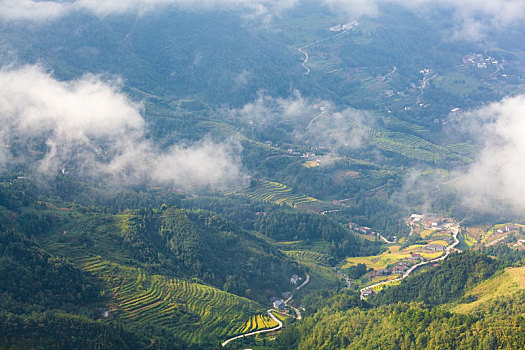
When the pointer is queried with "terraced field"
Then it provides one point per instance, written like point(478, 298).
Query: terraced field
point(308, 256)
point(258, 322)
point(393, 255)
point(466, 149)
point(412, 146)
point(497, 287)
point(195, 312)
point(277, 193)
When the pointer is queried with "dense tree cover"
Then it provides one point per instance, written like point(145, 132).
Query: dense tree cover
point(507, 256)
point(284, 224)
point(292, 226)
point(201, 244)
point(239, 210)
point(33, 280)
point(17, 193)
point(339, 300)
point(343, 321)
point(381, 214)
point(401, 326)
point(110, 199)
point(357, 271)
point(51, 330)
point(443, 283)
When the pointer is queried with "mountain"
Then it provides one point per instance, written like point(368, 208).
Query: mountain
point(261, 174)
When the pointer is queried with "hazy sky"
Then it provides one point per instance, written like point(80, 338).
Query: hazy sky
point(472, 18)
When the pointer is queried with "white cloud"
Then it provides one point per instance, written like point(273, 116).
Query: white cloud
point(472, 18)
point(495, 181)
point(50, 9)
point(267, 109)
point(91, 125)
point(355, 8)
point(28, 9)
point(314, 121)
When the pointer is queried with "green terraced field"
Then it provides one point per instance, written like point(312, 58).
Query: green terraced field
point(196, 313)
point(308, 256)
point(193, 311)
point(412, 146)
point(277, 193)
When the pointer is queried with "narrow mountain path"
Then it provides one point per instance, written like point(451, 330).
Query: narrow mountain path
point(313, 119)
point(305, 53)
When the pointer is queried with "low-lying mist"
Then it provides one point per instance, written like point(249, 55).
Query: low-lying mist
point(90, 125)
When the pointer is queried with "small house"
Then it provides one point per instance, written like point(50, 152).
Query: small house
point(365, 230)
point(435, 247)
point(399, 269)
point(415, 256)
point(368, 292)
point(415, 217)
point(294, 279)
point(382, 272)
point(279, 305)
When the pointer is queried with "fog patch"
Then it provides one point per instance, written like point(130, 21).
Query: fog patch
point(90, 126)
point(473, 19)
point(318, 123)
point(494, 182)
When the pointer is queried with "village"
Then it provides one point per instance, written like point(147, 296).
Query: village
point(281, 304)
point(431, 238)
point(479, 61)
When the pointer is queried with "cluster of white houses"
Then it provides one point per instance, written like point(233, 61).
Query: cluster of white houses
point(506, 228)
point(428, 220)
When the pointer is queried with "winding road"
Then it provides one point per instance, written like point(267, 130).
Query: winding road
point(448, 250)
point(269, 312)
point(307, 57)
point(390, 73)
point(423, 87)
point(386, 240)
point(313, 119)
point(276, 328)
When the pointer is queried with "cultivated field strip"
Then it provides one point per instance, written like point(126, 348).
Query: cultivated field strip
point(277, 193)
point(258, 322)
point(308, 256)
point(412, 146)
point(192, 310)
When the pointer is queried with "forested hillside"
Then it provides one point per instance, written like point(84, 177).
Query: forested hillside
point(443, 283)
point(402, 326)
point(414, 314)
point(262, 174)
point(204, 245)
